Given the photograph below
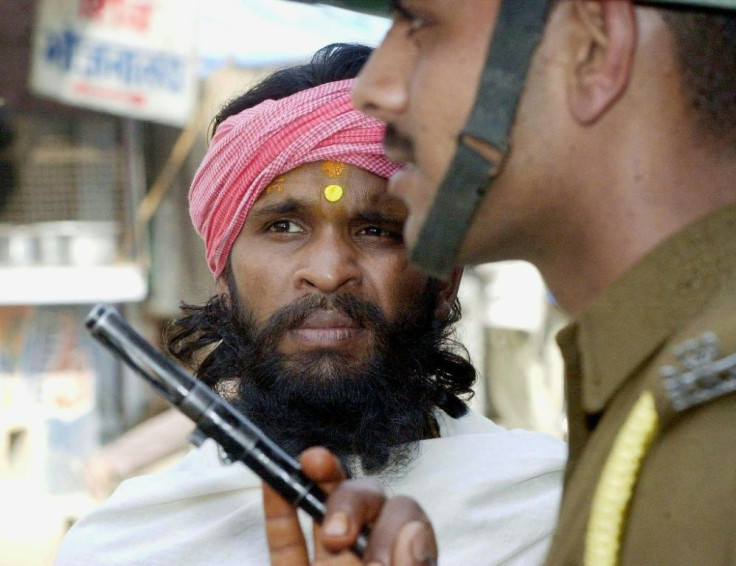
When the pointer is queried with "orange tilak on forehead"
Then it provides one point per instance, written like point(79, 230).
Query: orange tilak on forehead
point(333, 169)
point(276, 185)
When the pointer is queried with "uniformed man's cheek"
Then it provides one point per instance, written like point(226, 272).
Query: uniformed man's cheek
point(412, 227)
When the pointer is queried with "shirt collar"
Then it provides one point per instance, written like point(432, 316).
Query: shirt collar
point(624, 327)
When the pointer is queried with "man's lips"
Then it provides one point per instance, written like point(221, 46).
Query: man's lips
point(398, 156)
point(326, 328)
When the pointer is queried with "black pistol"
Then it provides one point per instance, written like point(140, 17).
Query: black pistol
point(215, 418)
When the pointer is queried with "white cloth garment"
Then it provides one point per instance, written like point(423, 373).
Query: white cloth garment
point(492, 496)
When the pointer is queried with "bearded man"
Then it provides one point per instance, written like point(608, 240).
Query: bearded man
point(323, 334)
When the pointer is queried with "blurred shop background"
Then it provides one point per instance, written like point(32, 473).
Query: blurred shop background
point(104, 112)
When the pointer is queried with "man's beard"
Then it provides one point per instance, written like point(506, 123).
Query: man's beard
point(373, 409)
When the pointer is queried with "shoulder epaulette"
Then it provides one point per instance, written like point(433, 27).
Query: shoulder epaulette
point(703, 374)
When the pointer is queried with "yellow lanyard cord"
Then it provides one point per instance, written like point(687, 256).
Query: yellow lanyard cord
point(616, 484)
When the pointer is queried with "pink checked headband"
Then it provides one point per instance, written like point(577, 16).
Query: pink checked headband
point(251, 149)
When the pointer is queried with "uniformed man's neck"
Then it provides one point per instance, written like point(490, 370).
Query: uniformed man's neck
point(640, 206)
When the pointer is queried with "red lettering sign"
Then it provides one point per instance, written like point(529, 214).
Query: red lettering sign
point(131, 14)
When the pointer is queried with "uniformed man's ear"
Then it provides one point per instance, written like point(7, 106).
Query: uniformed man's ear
point(603, 39)
point(447, 293)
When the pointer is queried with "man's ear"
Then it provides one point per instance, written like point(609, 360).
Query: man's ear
point(603, 43)
point(447, 293)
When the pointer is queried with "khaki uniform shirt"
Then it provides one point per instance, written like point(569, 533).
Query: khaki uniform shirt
point(683, 509)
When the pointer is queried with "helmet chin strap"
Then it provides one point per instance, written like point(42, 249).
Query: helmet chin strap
point(470, 175)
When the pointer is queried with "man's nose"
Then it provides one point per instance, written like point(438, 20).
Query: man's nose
point(381, 89)
point(330, 262)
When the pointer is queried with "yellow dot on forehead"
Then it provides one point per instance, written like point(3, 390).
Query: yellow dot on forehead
point(333, 193)
point(333, 168)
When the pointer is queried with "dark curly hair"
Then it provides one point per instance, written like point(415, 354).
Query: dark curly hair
point(332, 63)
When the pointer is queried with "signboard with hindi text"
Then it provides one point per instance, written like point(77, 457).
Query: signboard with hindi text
point(134, 58)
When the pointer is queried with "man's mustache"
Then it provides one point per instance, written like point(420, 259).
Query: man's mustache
point(293, 315)
point(398, 144)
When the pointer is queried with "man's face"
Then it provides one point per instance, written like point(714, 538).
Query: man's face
point(296, 245)
point(333, 336)
point(422, 82)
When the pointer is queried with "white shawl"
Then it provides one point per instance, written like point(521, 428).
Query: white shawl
point(492, 496)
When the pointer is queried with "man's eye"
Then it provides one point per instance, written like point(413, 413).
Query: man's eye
point(284, 227)
point(376, 232)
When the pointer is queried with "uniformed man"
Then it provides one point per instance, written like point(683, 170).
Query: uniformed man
point(596, 140)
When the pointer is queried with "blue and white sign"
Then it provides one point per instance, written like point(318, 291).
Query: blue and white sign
point(135, 58)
